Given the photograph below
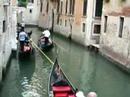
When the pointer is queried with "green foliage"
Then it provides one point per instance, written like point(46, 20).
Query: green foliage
point(22, 3)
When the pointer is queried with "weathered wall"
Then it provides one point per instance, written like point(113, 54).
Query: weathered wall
point(72, 27)
point(77, 34)
point(31, 18)
point(113, 46)
point(7, 38)
point(45, 18)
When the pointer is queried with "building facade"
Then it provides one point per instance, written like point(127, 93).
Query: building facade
point(75, 19)
point(45, 15)
point(29, 14)
point(115, 33)
point(7, 32)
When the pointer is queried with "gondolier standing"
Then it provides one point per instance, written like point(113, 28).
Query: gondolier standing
point(22, 38)
point(46, 35)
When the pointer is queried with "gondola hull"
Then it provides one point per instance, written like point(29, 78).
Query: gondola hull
point(44, 47)
point(26, 50)
point(59, 85)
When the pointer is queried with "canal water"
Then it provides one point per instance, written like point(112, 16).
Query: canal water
point(88, 71)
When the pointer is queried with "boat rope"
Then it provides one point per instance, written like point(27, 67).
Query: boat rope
point(35, 46)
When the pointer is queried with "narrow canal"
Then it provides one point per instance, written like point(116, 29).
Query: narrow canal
point(87, 71)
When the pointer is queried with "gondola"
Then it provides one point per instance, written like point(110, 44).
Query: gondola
point(44, 46)
point(59, 85)
point(26, 50)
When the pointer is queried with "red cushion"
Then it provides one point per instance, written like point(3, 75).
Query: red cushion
point(72, 95)
point(61, 88)
point(61, 94)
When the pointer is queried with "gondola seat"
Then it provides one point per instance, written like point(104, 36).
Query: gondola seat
point(72, 95)
point(61, 94)
point(61, 88)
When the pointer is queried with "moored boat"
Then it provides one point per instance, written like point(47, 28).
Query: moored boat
point(59, 85)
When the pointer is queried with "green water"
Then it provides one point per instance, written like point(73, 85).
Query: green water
point(87, 71)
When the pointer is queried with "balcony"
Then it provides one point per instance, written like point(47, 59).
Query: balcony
point(6, 2)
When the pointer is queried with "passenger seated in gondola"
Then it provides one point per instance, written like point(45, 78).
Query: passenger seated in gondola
point(26, 46)
point(60, 83)
point(59, 80)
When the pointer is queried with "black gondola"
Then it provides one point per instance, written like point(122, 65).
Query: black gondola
point(43, 45)
point(59, 85)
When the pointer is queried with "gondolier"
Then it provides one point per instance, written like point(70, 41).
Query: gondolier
point(45, 42)
point(46, 35)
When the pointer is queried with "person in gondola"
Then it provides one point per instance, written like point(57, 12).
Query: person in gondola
point(79, 93)
point(59, 80)
point(23, 38)
point(46, 37)
point(92, 94)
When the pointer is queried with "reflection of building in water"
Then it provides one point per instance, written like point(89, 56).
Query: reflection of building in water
point(88, 72)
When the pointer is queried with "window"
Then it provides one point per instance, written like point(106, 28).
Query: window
point(61, 7)
point(58, 6)
point(71, 6)
point(60, 21)
point(66, 6)
point(58, 18)
point(47, 7)
point(41, 7)
point(83, 28)
point(107, 1)
point(30, 10)
point(31, 1)
point(121, 26)
point(65, 22)
point(105, 24)
point(98, 10)
point(85, 8)
point(97, 29)
point(4, 26)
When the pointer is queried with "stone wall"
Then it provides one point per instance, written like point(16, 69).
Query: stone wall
point(7, 36)
point(31, 13)
point(113, 46)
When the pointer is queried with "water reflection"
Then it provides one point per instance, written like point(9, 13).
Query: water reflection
point(86, 70)
point(27, 69)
